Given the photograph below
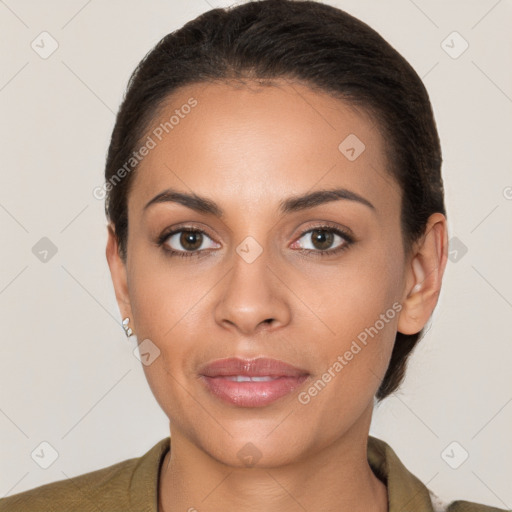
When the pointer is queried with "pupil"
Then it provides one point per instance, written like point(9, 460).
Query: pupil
point(190, 240)
point(324, 238)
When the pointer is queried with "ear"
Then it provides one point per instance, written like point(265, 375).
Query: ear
point(118, 273)
point(425, 271)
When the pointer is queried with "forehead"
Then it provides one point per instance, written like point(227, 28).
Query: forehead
point(256, 144)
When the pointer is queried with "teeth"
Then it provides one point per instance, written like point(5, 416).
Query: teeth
point(245, 378)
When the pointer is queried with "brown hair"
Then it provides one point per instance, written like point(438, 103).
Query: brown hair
point(324, 48)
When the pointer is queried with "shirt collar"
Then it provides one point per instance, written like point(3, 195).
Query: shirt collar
point(405, 491)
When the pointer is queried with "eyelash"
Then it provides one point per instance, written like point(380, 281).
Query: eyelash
point(349, 240)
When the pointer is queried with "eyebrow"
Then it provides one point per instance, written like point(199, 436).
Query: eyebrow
point(290, 205)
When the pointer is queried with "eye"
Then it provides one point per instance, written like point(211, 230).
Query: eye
point(189, 241)
point(186, 242)
point(320, 240)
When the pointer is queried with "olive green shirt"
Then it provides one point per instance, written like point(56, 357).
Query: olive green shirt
point(132, 486)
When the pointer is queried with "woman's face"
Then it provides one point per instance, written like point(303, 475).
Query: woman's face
point(252, 281)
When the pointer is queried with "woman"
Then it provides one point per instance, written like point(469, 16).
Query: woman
point(277, 240)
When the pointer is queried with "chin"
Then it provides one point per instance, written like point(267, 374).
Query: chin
point(256, 450)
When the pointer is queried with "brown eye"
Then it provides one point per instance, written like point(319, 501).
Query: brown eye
point(191, 240)
point(322, 239)
point(185, 241)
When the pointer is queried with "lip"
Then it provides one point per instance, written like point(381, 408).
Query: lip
point(285, 379)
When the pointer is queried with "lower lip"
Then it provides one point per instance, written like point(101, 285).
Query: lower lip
point(252, 394)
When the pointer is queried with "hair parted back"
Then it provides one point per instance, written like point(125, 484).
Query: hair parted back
point(317, 45)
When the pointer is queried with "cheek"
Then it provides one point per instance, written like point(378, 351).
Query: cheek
point(353, 357)
point(164, 292)
point(359, 305)
point(353, 294)
point(168, 301)
point(165, 303)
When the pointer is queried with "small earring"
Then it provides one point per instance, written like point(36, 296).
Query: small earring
point(127, 330)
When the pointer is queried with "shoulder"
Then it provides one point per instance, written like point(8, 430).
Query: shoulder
point(438, 505)
point(404, 487)
point(469, 506)
point(119, 487)
point(83, 492)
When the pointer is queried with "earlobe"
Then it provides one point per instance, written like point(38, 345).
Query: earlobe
point(425, 273)
point(118, 272)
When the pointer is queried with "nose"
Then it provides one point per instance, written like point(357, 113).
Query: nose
point(253, 297)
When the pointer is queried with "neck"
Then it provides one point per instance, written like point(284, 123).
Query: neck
point(335, 478)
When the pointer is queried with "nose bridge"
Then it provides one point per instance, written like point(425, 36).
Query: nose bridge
point(252, 294)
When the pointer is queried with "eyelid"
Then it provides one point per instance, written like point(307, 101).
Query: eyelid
point(176, 228)
point(342, 230)
point(173, 230)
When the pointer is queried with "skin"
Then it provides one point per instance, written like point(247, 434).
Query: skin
point(248, 147)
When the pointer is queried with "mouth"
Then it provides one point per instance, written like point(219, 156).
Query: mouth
point(251, 382)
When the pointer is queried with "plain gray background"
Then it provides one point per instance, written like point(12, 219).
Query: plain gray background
point(68, 374)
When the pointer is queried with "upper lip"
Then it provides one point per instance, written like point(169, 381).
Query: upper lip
point(258, 367)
